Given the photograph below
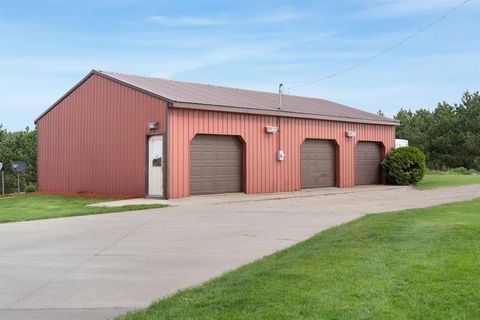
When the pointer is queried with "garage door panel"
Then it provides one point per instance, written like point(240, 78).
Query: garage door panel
point(208, 155)
point(368, 156)
point(309, 169)
point(195, 185)
point(221, 171)
point(220, 164)
point(210, 142)
point(196, 171)
point(208, 185)
point(223, 185)
point(234, 172)
point(208, 171)
point(196, 155)
point(221, 155)
point(318, 164)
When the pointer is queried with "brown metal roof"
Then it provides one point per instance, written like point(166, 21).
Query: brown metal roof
point(205, 96)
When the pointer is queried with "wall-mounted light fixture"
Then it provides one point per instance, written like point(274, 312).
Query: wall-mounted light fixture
point(271, 129)
point(153, 125)
point(351, 134)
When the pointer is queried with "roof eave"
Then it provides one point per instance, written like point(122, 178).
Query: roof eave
point(208, 107)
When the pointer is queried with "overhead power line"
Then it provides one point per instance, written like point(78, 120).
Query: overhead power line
point(413, 35)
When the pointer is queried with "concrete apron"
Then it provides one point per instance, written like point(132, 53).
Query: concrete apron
point(100, 266)
point(225, 198)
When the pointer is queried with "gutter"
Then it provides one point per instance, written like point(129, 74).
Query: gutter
point(278, 113)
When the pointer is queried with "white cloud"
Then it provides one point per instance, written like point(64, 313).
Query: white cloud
point(173, 66)
point(188, 21)
point(279, 15)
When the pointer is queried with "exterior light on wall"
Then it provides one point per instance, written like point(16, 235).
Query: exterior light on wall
point(153, 125)
point(351, 134)
point(271, 129)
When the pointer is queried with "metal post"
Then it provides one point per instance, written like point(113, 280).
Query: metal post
point(3, 184)
point(18, 182)
point(280, 91)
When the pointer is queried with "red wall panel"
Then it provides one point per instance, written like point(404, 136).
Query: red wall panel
point(263, 173)
point(95, 139)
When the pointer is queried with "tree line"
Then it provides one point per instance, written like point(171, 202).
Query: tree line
point(19, 145)
point(449, 135)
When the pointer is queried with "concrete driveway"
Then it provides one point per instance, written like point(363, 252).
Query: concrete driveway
point(98, 267)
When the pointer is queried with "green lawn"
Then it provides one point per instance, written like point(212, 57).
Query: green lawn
point(34, 207)
point(413, 264)
point(448, 180)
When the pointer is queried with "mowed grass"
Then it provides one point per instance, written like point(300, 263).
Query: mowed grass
point(34, 207)
point(413, 264)
point(448, 180)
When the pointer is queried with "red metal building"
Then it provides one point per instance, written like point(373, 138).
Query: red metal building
point(117, 133)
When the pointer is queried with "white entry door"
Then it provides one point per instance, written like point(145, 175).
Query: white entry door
point(155, 166)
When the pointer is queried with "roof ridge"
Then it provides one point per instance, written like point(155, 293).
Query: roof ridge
point(206, 84)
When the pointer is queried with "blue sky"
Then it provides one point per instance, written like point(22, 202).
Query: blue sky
point(48, 46)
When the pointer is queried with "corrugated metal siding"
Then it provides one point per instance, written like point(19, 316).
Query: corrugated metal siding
point(95, 139)
point(263, 173)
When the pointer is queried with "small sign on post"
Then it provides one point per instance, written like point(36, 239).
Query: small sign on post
point(19, 167)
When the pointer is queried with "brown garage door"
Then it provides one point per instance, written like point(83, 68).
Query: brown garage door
point(368, 156)
point(215, 164)
point(318, 164)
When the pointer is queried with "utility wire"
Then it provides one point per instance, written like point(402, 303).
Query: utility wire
point(381, 52)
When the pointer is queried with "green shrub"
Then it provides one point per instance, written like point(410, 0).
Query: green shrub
point(450, 172)
point(404, 165)
point(473, 171)
point(461, 171)
point(30, 188)
point(435, 172)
